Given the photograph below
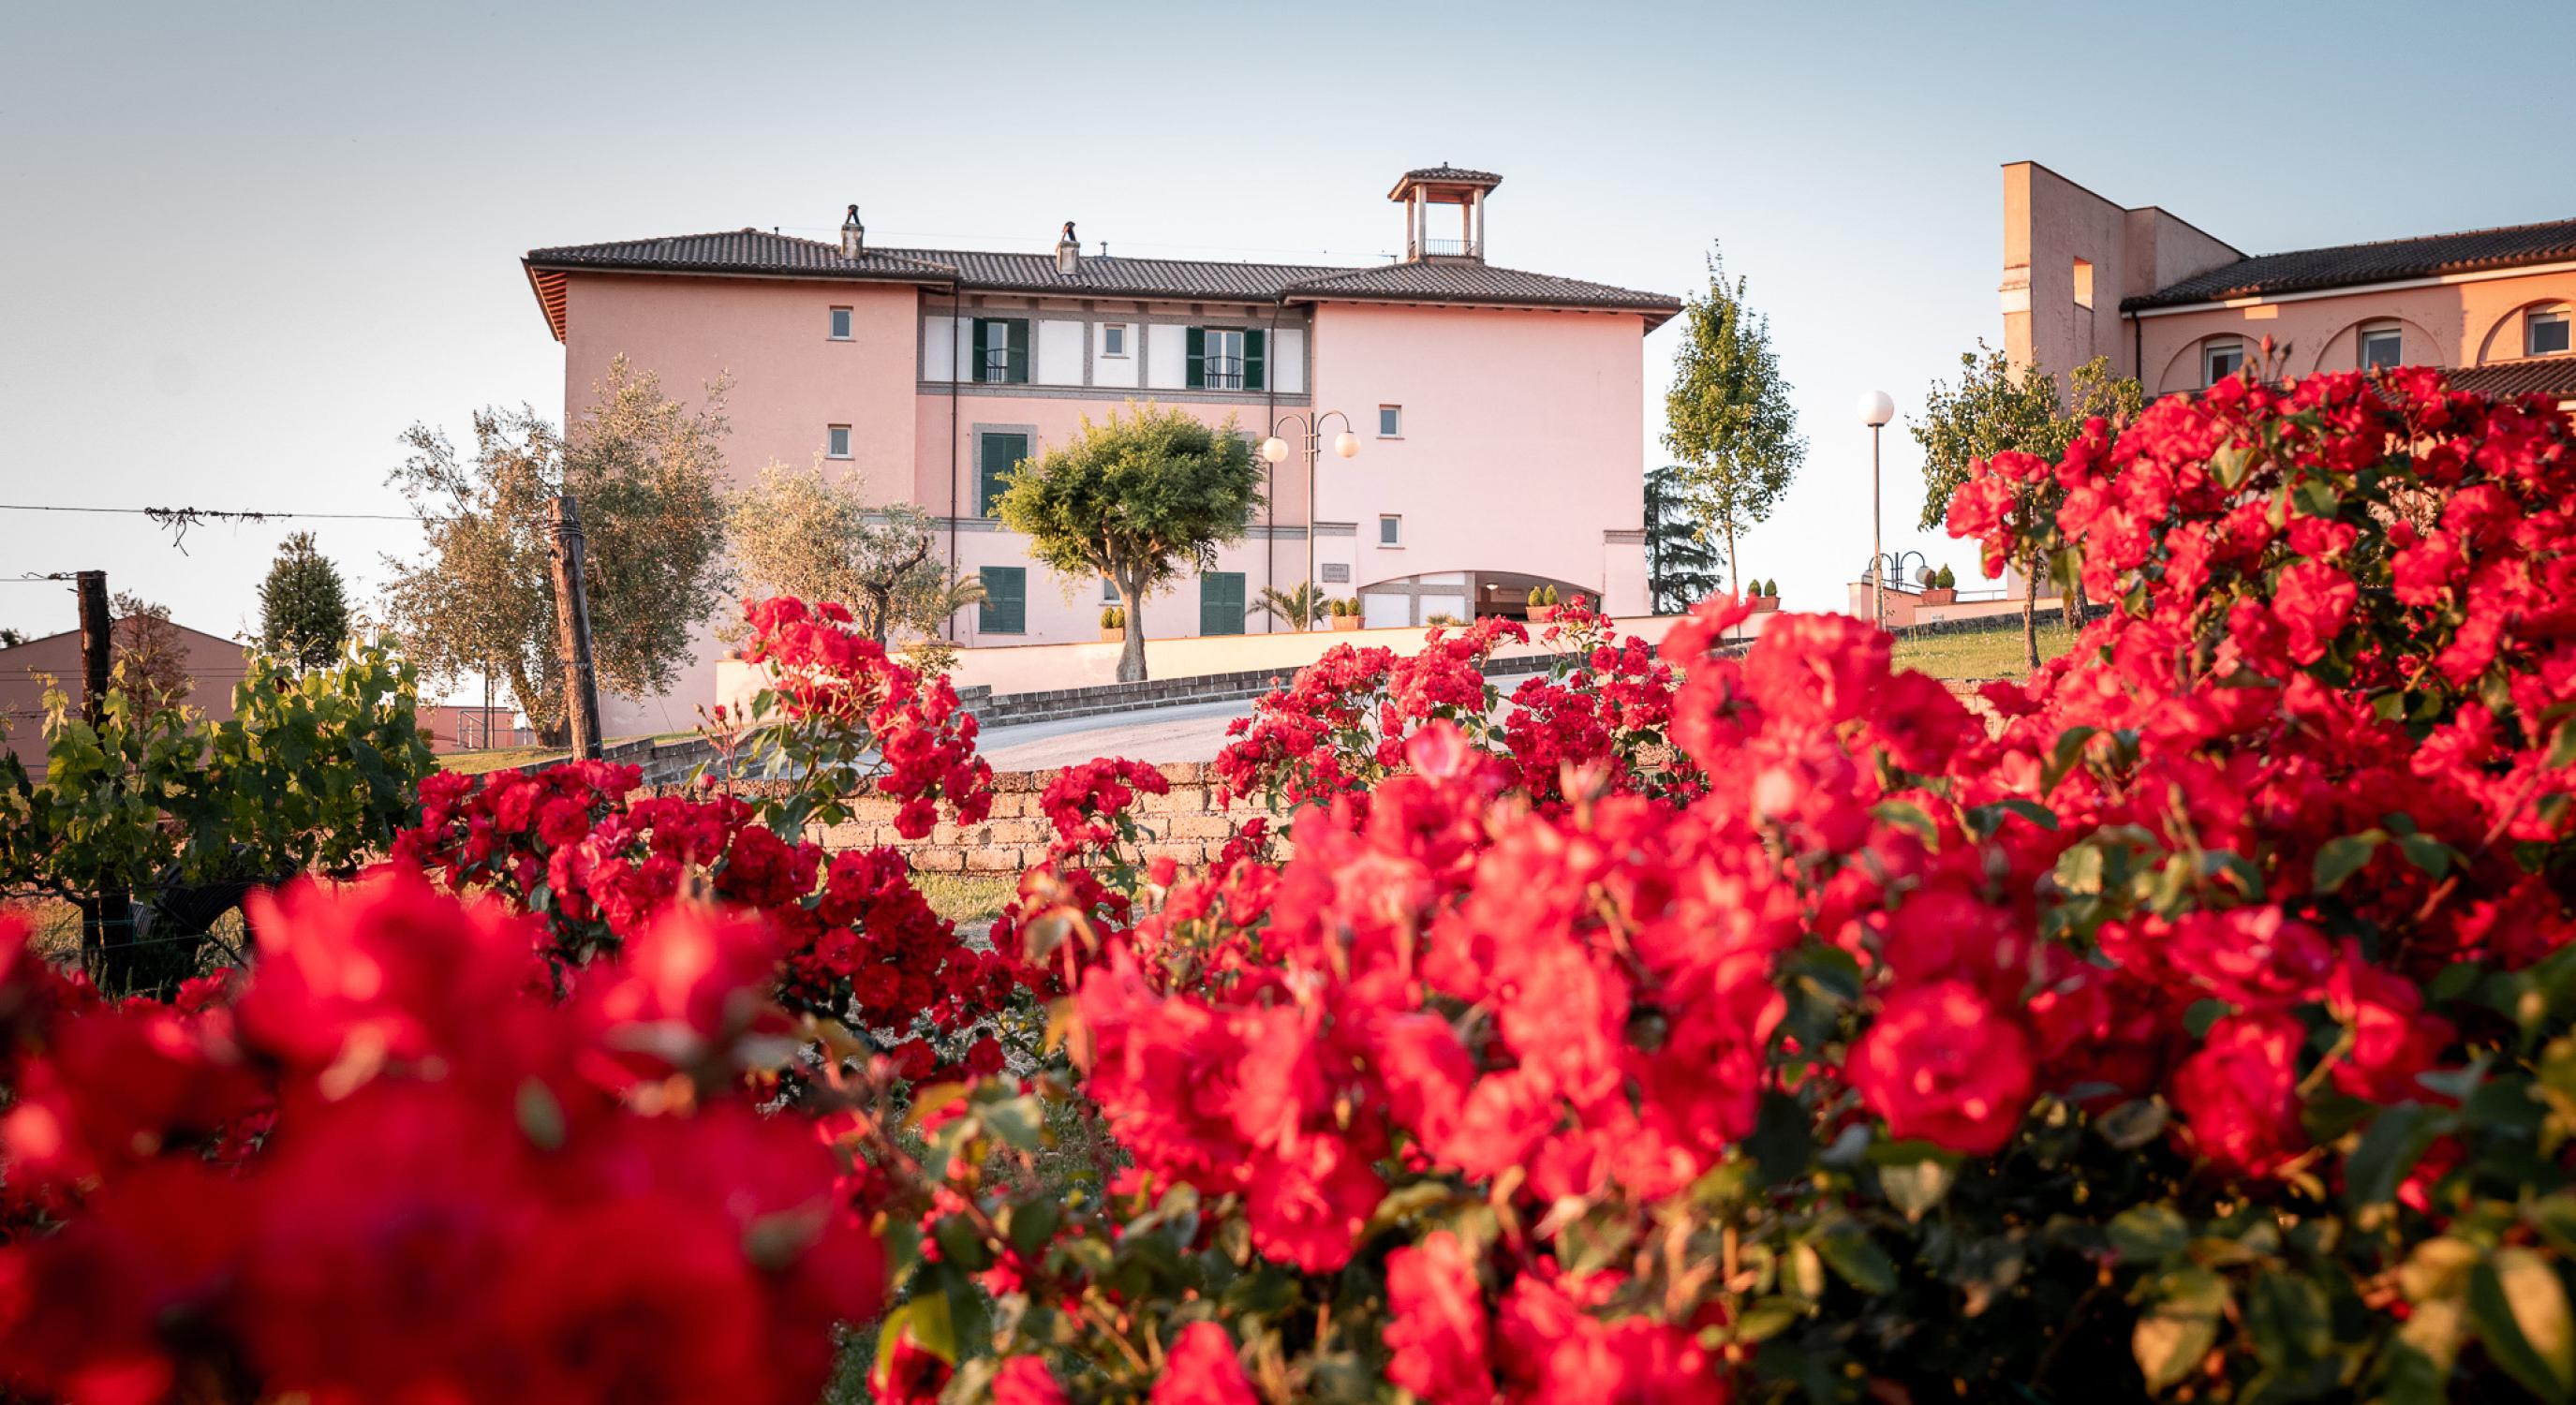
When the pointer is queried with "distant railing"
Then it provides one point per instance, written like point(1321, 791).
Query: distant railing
point(1221, 372)
point(997, 365)
point(1455, 248)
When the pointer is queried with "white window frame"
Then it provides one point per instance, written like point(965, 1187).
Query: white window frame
point(1382, 431)
point(2538, 318)
point(2210, 352)
point(1114, 340)
point(841, 323)
point(832, 432)
point(2370, 330)
point(1385, 520)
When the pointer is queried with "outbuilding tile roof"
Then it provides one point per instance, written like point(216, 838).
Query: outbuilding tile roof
point(2346, 265)
point(2539, 375)
point(758, 252)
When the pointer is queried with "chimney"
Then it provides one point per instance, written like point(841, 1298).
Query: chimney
point(854, 235)
point(1068, 253)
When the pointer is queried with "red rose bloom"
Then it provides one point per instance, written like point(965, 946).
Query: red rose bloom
point(1202, 1369)
point(1941, 1064)
point(2239, 1095)
point(1439, 1335)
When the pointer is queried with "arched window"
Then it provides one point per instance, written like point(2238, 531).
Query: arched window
point(2382, 346)
point(2221, 357)
point(2544, 331)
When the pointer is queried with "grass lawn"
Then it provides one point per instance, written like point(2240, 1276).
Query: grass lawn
point(968, 897)
point(1990, 654)
point(475, 763)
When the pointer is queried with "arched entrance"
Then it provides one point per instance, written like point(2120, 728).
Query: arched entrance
point(1458, 595)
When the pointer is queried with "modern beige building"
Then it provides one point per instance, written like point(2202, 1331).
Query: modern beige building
point(2177, 307)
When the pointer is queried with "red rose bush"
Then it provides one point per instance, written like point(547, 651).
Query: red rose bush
point(2193, 1019)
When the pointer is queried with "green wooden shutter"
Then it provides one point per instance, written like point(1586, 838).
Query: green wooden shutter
point(1197, 360)
point(998, 456)
point(1221, 602)
point(975, 368)
point(1256, 350)
point(1018, 374)
point(1006, 600)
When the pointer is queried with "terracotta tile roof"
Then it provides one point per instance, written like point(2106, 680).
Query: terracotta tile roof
point(1099, 274)
point(2553, 376)
point(1468, 281)
point(2347, 265)
point(738, 251)
point(758, 252)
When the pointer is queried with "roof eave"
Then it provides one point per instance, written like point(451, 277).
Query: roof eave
point(1655, 315)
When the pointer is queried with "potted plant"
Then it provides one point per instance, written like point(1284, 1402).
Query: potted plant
point(1346, 614)
point(1542, 604)
point(1113, 625)
point(1942, 588)
point(1764, 596)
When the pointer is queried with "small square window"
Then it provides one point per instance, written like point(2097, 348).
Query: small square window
point(840, 324)
point(836, 442)
point(1108, 591)
point(2221, 359)
point(1390, 421)
point(2544, 333)
point(1113, 339)
point(2381, 347)
point(1390, 530)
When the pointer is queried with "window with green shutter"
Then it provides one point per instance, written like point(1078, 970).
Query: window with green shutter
point(1226, 358)
point(1256, 355)
point(995, 458)
point(1221, 602)
point(1006, 600)
point(1002, 350)
point(1195, 377)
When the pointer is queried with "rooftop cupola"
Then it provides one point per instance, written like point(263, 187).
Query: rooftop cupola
point(1068, 253)
point(1426, 234)
point(854, 235)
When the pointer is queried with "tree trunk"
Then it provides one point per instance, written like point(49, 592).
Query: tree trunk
point(1131, 654)
point(2030, 611)
point(553, 725)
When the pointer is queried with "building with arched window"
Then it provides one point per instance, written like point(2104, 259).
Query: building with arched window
point(2177, 307)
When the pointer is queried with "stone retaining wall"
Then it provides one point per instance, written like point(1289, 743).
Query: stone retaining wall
point(1188, 825)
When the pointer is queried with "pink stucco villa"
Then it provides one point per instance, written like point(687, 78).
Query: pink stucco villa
point(1496, 415)
point(2177, 307)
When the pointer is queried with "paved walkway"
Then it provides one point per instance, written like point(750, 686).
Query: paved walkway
point(1158, 735)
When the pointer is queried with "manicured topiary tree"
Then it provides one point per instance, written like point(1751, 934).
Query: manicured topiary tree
point(1142, 499)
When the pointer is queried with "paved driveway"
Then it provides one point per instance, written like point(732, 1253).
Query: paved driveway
point(1159, 735)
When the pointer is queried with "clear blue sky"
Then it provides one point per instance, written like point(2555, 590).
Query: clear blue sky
point(241, 247)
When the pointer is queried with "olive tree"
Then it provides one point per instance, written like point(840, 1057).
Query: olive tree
point(647, 473)
point(802, 533)
point(1141, 499)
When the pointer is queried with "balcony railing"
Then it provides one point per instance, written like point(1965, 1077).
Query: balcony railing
point(997, 366)
point(1221, 372)
point(1446, 248)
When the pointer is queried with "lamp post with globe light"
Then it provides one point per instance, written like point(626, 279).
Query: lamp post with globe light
point(1274, 450)
point(1876, 409)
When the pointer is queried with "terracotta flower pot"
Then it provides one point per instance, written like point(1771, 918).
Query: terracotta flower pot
point(1763, 604)
point(1346, 621)
point(1541, 614)
point(1113, 636)
point(1935, 595)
